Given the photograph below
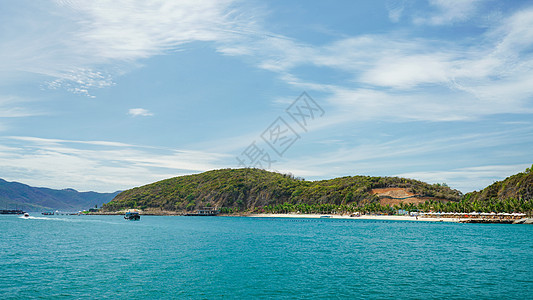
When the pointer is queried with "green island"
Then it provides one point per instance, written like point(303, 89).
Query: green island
point(255, 191)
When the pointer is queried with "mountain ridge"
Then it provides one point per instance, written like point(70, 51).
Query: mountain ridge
point(248, 189)
point(22, 196)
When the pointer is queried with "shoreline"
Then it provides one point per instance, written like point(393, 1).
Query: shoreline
point(361, 217)
point(341, 217)
point(299, 216)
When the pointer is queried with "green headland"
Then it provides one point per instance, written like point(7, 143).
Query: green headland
point(237, 191)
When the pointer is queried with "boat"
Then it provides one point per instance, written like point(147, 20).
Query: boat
point(132, 215)
point(26, 215)
point(48, 213)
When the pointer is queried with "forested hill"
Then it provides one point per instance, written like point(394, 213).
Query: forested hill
point(517, 187)
point(17, 195)
point(247, 189)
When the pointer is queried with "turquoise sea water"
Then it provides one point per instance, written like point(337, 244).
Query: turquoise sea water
point(223, 257)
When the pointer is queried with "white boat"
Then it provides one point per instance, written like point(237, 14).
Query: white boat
point(133, 215)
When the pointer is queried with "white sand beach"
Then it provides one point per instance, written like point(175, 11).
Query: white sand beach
point(361, 217)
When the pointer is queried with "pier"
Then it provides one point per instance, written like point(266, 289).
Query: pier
point(482, 218)
point(205, 211)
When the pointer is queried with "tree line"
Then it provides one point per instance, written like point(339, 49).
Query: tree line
point(510, 205)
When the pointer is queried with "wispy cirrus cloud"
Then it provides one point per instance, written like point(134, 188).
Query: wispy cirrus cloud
point(16, 107)
point(395, 9)
point(116, 30)
point(86, 43)
point(455, 157)
point(94, 41)
point(462, 178)
point(427, 78)
point(47, 141)
point(104, 166)
point(139, 112)
point(448, 12)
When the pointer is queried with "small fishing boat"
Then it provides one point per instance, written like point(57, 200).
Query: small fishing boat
point(132, 215)
point(26, 215)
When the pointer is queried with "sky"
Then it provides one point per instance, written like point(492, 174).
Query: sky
point(109, 95)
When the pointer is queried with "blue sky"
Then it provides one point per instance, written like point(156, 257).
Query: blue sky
point(108, 95)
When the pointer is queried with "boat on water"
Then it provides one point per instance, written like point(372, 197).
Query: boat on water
point(48, 213)
point(132, 215)
point(26, 215)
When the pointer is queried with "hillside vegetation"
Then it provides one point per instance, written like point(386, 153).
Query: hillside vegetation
point(248, 190)
point(518, 186)
point(514, 193)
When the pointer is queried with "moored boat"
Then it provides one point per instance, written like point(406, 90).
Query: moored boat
point(132, 215)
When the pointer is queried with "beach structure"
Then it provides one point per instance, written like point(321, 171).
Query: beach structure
point(205, 211)
point(477, 217)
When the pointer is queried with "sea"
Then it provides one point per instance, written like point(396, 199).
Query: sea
point(173, 257)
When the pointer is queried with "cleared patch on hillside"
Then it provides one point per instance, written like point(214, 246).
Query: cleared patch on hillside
point(395, 196)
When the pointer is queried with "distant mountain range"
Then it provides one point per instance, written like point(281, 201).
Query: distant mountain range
point(14, 195)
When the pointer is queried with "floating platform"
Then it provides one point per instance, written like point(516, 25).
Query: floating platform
point(488, 221)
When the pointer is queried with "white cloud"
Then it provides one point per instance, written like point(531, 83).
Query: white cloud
point(415, 78)
point(367, 104)
point(468, 179)
point(105, 166)
point(92, 41)
point(449, 12)
point(387, 156)
point(118, 30)
point(395, 14)
point(16, 107)
point(81, 80)
point(85, 43)
point(139, 112)
point(395, 9)
point(515, 34)
point(43, 141)
point(408, 71)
